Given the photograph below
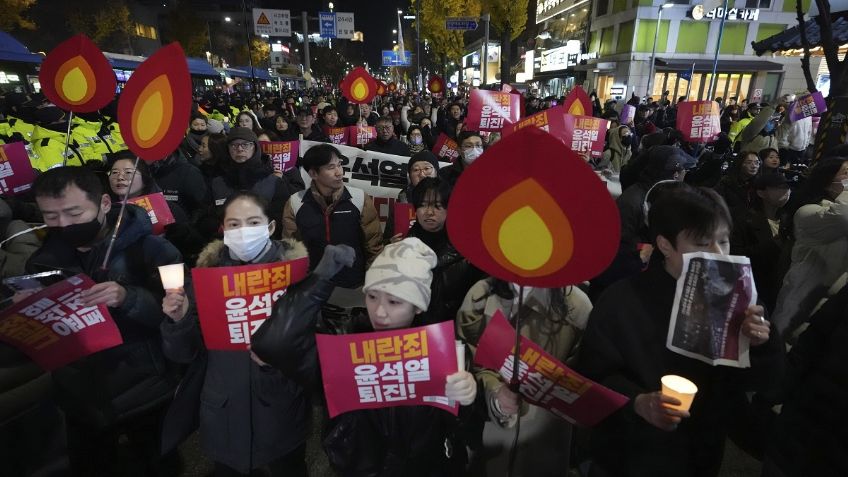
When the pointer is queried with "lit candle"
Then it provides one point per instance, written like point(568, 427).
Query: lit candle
point(460, 355)
point(172, 276)
point(680, 388)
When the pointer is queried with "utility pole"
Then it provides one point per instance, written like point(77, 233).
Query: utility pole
point(249, 49)
point(484, 62)
point(306, 67)
point(418, 43)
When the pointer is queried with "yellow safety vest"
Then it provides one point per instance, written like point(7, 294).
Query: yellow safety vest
point(87, 140)
point(114, 139)
point(22, 127)
point(47, 149)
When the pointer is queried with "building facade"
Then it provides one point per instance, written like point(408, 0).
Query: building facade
point(624, 35)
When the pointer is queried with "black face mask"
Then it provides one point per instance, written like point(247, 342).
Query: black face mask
point(627, 140)
point(79, 235)
point(197, 132)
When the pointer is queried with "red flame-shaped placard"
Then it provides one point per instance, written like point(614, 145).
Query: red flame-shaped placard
point(577, 102)
point(531, 212)
point(392, 87)
point(436, 85)
point(75, 76)
point(358, 86)
point(156, 104)
point(381, 88)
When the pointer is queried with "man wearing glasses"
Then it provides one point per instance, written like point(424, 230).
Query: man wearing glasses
point(386, 141)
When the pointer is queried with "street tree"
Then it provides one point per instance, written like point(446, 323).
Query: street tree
point(14, 15)
point(107, 23)
point(447, 45)
point(508, 19)
point(833, 128)
point(185, 27)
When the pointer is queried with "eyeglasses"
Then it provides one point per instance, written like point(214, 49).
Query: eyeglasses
point(235, 146)
point(120, 173)
point(466, 147)
point(423, 170)
point(385, 127)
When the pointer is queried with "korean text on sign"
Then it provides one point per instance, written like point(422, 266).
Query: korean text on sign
point(551, 121)
point(585, 134)
point(543, 380)
point(698, 120)
point(54, 328)
point(157, 209)
point(446, 148)
point(283, 154)
point(233, 302)
point(16, 174)
point(492, 110)
point(406, 367)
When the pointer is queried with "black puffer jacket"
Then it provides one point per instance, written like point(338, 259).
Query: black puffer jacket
point(250, 415)
point(452, 277)
point(408, 440)
point(255, 175)
point(134, 377)
point(810, 436)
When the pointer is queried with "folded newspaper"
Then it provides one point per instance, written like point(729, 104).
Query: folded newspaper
point(712, 295)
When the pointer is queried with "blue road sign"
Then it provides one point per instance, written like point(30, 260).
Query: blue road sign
point(392, 58)
point(461, 23)
point(327, 22)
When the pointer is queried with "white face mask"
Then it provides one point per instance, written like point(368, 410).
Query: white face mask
point(417, 140)
point(470, 155)
point(247, 243)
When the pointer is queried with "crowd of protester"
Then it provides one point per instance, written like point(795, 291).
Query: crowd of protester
point(753, 191)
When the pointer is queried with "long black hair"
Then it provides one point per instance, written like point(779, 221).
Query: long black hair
point(814, 190)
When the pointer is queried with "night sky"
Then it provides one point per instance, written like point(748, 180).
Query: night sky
point(374, 18)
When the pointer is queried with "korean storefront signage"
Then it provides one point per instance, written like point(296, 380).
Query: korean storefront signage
point(743, 14)
point(548, 8)
point(563, 57)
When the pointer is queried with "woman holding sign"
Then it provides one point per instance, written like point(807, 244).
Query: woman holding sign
point(624, 348)
point(552, 318)
point(251, 416)
point(410, 440)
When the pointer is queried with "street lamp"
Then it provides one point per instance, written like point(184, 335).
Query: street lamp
point(394, 31)
point(228, 19)
point(654, 50)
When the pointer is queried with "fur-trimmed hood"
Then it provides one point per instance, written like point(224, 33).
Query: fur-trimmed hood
point(287, 249)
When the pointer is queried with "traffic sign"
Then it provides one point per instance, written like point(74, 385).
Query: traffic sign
point(393, 58)
point(461, 23)
point(271, 22)
point(327, 22)
point(344, 25)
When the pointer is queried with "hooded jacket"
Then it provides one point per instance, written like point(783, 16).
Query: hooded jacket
point(250, 415)
point(132, 378)
point(255, 175)
point(181, 182)
point(408, 440)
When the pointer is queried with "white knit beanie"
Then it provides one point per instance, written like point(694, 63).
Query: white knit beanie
point(214, 126)
point(403, 269)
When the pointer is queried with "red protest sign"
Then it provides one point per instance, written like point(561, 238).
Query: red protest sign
point(446, 148)
point(404, 218)
point(544, 381)
point(283, 154)
point(698, 120)
point(16, 174)
point(585, 134)
point(158, 210)
point(406, 367)
point(492, 110)
point(550, 120)
point(361, 135)
point(233, 302)
point(336, 135)
point(54, 328)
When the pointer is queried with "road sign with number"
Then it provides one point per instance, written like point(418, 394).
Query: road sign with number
point(461, 23)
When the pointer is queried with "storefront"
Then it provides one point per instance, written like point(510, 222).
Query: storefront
point(682, 39)
point(560, 46)
point(472, 70)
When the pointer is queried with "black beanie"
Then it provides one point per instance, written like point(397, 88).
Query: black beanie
point(422, 156)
